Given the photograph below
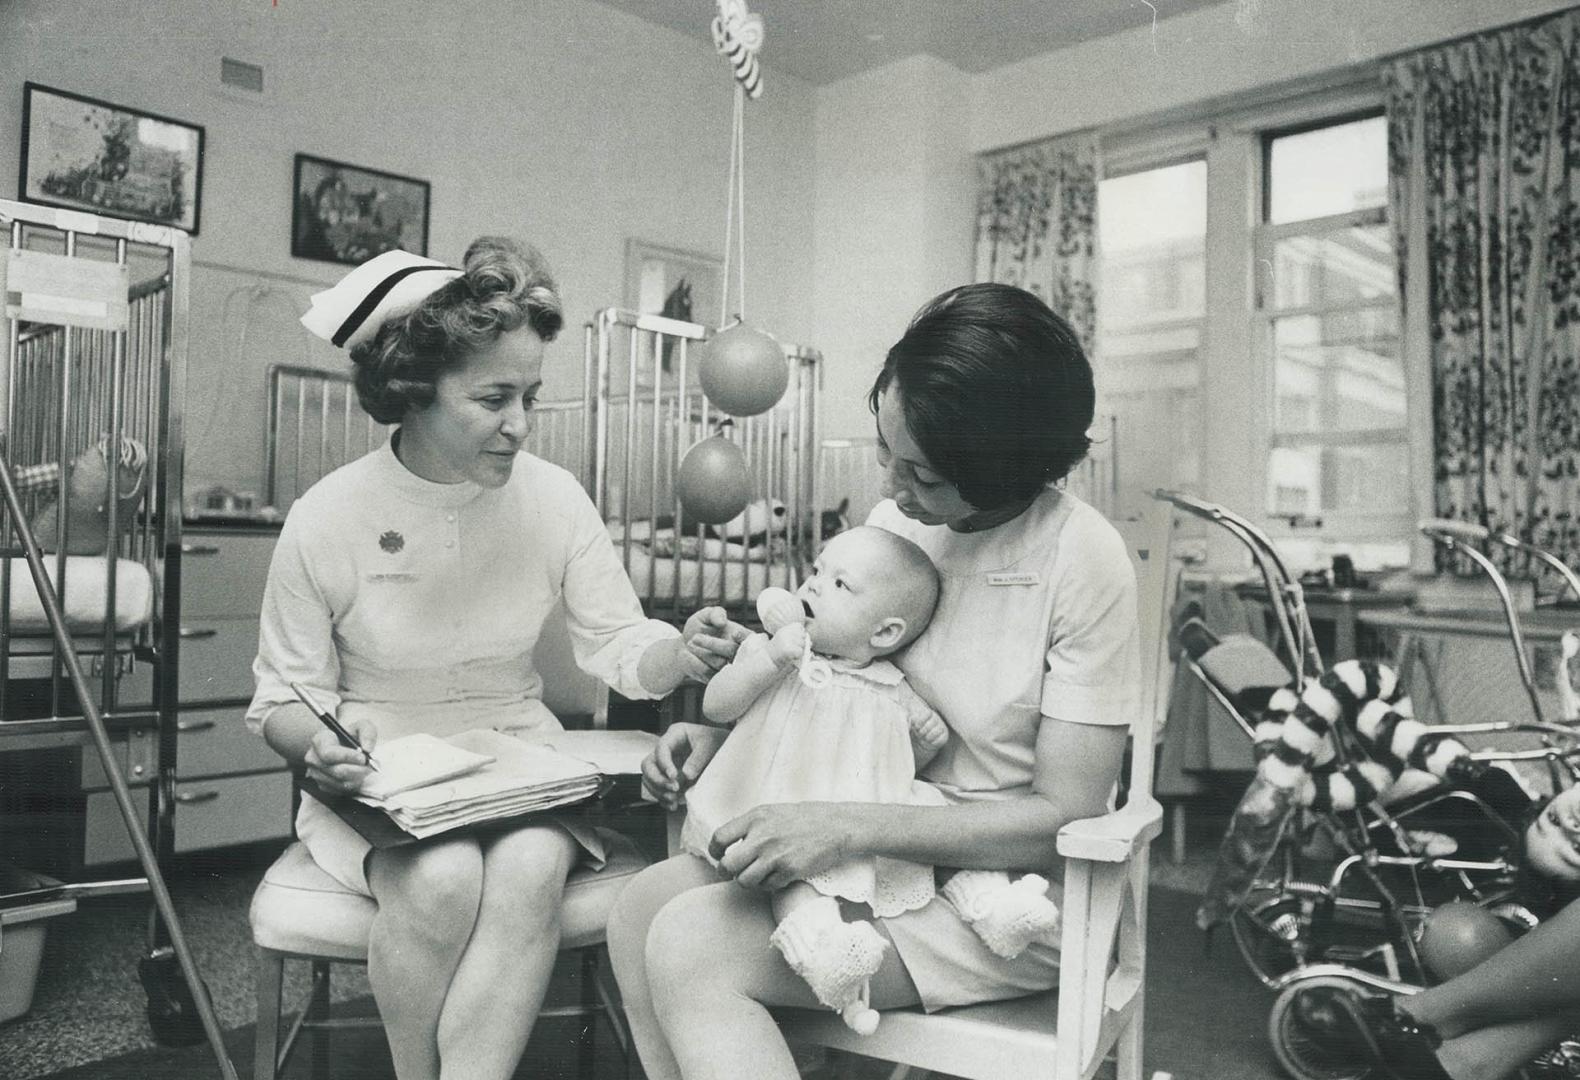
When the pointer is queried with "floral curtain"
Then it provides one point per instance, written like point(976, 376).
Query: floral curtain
point(1037, 224)
point(1484, 174)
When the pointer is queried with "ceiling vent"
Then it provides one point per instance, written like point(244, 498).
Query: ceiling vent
point(241, 75)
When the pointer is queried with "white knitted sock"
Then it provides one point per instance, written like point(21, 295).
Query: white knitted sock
point(836, 958)
point(1007, 915)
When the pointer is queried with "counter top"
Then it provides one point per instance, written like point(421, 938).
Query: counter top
point(1543, 624)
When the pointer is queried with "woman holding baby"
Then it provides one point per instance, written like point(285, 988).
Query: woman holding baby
point(1031, 658)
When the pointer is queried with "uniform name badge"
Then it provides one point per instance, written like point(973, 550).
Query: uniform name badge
point(1009, 578)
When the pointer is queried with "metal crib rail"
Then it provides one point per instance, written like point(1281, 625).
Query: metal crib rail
point(101, 740)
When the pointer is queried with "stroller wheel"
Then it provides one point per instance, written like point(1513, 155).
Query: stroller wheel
point(1302, 1056)
point(1273, 934)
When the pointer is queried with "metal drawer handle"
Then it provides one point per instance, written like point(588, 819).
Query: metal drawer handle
point(196, 633)
point(195, 725)
point(199, 549)
point(189, 797)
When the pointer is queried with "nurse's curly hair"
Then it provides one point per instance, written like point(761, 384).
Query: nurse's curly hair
point(505, 285)
point(996, 390)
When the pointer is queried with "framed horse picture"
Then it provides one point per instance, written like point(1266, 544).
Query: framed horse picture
point(678, 284)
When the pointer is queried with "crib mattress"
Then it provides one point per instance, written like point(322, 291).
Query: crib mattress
point(86, 595)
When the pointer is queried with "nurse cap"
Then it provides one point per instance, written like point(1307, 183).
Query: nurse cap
point(382, 288)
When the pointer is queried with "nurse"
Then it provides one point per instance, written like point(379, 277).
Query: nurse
point(1032, 658)
point(407, 591)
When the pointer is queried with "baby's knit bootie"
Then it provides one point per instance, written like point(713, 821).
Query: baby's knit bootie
point(835, 957)
point(1007, 915)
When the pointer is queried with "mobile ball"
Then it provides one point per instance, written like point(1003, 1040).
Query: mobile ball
point(1458, 936)
point(713, 484)
point(743, 371)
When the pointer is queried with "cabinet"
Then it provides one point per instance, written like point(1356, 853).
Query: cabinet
point(230, 787)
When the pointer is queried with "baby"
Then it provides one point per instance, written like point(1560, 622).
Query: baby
point(824, 717)
point(1552, 841)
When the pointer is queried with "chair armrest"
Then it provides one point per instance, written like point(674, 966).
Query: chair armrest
point(1114, 837)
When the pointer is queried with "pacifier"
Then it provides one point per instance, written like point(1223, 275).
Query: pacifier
point(778, 608)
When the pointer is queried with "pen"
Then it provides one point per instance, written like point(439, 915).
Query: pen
point(348, 740)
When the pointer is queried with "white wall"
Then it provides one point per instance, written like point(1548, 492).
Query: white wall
point(888, 235)
point(894, 218)
point(569, 124)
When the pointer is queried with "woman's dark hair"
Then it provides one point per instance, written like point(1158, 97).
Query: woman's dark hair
point(505, 285)
point(996, 389)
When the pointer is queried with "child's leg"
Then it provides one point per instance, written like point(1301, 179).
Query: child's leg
point(794, 895)
point(1007, 915)
point(835, 957)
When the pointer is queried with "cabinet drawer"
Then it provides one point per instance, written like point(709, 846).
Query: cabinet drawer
point(216, 658)
point(209, 814)
point(214, 742)
point(223, 574)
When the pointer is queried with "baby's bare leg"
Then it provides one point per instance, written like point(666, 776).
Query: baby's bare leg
point(796, 894)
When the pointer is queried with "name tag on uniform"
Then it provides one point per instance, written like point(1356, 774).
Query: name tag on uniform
point(398, 577)
point(1007, 578)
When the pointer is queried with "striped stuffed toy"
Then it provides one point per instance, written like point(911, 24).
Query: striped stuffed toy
point(1295, 739)
point(1358, 706)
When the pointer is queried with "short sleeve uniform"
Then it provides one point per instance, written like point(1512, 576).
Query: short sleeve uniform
point(1036, 621)
point(418, 605)
point(849, 741)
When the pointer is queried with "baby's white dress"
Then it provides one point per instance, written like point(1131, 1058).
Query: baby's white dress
point(847, 742)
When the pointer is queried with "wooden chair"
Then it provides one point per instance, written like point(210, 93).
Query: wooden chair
point(1065, 1033)
point(301, 913)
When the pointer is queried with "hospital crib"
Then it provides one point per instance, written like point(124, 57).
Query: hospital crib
point(645, 409)
point(95, 314)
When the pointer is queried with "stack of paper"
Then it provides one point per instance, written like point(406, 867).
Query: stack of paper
point(510, 776)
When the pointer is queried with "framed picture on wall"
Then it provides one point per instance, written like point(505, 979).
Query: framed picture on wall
point(81, 153)
point(347, 214)
point(678, 284)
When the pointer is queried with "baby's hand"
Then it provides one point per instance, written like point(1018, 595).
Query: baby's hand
point(929, 732)
point(788, 644)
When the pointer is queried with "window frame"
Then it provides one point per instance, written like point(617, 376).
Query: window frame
point(1150, 157)
point(1234, 136)
point(1336, 526)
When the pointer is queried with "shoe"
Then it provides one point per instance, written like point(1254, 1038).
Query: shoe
point(1562, 1062)
point(1346, 1022)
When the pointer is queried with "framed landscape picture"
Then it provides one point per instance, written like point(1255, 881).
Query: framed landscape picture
point(81, 153)
point(348, 214)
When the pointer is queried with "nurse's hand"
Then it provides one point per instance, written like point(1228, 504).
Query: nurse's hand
point(713, 637)
point(340, 768)
point(682, 753)
point(770, 846)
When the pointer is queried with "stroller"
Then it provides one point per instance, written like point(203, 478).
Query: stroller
point(1359, 821)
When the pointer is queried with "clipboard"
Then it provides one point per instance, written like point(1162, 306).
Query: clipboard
point(380, 831)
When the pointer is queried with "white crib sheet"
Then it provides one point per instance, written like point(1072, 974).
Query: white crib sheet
point(85, 597)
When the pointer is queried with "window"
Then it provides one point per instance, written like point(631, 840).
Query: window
point(1248, 324)
point(1328, 329)
point(1151, 231)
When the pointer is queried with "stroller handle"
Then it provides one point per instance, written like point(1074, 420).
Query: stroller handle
point(1467, 531)
point(1470, 532)
point(1450, 534)
point(1285, 595)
